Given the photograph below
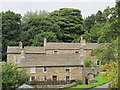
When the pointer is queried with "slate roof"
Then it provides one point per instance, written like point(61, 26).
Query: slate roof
point(71, 45)
point(51, 60)
point(28, 49)
point(54, 46)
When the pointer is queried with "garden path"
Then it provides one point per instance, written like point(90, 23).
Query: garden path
point(104, 86)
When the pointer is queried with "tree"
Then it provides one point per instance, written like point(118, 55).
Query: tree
point(12, 76)
point(10, 30)
point(88, 63)
point(39, 38)
point(36, 23)
point(111, 73)
point(70, 22)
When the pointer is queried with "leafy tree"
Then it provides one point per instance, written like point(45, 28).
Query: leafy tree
point(70, 22)
point(36, 23)
point(111, 73)
point(88, 63)
point(12, 76)
point(39, 38)
point(10, 30)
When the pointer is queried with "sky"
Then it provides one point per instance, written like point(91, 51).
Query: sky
point(87, 7)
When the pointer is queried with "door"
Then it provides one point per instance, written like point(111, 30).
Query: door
point(54, 78)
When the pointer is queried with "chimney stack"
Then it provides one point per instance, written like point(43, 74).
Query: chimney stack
point(82, 41)
point(20, 44)
point(23, 53)
point(45, 41)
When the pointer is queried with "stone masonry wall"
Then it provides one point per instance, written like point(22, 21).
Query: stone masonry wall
point(75, 73)
point(12, 57)
point(62, 51)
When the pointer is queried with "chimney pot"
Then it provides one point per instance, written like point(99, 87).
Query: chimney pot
point(20, 44)
point(45, 41)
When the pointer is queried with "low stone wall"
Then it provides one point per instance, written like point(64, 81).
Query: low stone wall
point(51, 82)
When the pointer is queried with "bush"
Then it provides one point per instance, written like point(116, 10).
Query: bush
point(78, 81)
point(88, 63)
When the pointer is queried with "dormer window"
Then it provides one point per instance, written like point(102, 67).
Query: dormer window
point(55, 52)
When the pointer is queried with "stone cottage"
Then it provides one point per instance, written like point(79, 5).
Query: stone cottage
point(53, 61)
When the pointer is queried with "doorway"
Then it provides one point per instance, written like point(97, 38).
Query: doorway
point(54, 78)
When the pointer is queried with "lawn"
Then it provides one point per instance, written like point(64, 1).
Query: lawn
point(101, 80)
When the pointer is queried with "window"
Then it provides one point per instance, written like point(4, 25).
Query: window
point(98, 62)
point(17, 60)
point(54, 78)
point(77, 52)
point(32, 78)
point(55, 52)
point(44, 70)
point(67, 78)
point(32, 70)
point(45, 78)
point(67, 69)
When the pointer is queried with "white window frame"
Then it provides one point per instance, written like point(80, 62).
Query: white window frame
point(17, 60)
point(57, 52)
point(76, 51)
point(44, 70)
point(44, 78)
point(33, 70)
point(99, 62)
point(31, 77)
point(68, 68)
point(54, 75)
point(69, 78)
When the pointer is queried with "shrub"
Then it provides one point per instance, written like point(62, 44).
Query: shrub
point(78, 81)
point(88, 63)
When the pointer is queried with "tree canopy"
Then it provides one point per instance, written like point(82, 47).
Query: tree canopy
point(12, 76)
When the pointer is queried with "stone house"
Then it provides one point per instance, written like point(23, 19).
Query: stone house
point(53, 61)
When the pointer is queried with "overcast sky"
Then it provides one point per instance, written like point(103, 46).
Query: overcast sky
point(87, 7)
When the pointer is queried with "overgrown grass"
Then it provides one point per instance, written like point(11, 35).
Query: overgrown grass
point(101, 80)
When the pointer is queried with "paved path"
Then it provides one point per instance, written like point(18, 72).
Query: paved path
point(104, 86)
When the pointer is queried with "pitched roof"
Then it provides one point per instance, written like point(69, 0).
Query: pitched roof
point(28, 49)
point(71, 45)
point(13, 49)
point(62, 46)
point(51, 60)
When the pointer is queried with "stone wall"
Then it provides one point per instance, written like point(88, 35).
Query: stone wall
point(12, 57)
point(62, 51)
point(89, 70)
point(60, 72)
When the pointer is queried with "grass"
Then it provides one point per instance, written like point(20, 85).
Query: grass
point(101, 80)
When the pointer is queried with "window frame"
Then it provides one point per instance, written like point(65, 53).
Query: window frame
point(68, 68)
point(97, 62)
point(31, 78)
point(33, 70)
point(17, 60)
point(44, 70)
point(44, 78)
point(76, 52)
point(55, 52)
point(66, 78)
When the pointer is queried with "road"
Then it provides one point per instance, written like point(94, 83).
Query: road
point(104, 87)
